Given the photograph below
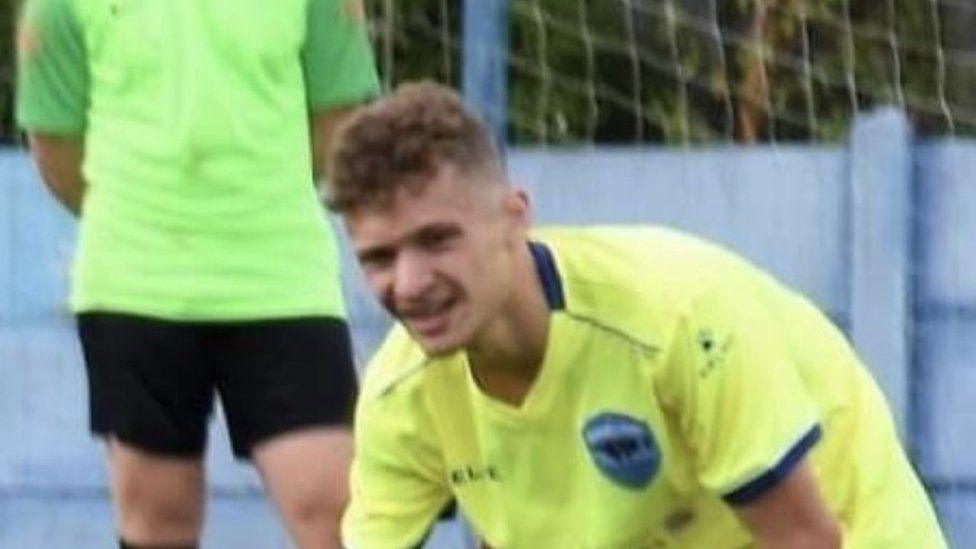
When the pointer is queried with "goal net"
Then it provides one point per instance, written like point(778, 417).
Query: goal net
point(701, 71)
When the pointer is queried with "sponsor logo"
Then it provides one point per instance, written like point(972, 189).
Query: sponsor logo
point(714, 351)
point(468, 474)
point(623, 449)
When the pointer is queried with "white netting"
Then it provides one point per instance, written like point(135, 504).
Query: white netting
point(693, 71)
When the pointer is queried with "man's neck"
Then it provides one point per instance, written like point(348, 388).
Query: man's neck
point(506, 359)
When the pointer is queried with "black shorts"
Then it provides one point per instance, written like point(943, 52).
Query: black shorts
point(152, 382)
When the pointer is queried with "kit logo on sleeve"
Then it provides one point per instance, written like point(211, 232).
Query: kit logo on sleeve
point(622, 448)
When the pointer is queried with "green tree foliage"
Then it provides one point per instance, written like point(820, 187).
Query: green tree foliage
point(416, 39)
point(771, 69)
point(675, 71)
point(7, 18)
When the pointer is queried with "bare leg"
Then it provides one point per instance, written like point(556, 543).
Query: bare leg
point(159, 500)
point(306, 474)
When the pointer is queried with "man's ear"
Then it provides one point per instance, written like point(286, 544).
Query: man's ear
point(518, 209)
point(518, 216)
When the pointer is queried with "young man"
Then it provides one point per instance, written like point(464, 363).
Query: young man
point(179, 132)
point(592, 387)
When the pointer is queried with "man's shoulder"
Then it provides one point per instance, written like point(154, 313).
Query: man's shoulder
point(649, 252)
point(397, 365)
point(637, 280)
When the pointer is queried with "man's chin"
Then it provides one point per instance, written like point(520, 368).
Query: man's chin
point(441, 337)
point(438, 348)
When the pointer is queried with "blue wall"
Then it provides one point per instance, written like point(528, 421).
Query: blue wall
point(944, 335)
point(829, 221)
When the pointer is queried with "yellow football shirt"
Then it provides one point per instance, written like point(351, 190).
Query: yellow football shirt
point(678, 381)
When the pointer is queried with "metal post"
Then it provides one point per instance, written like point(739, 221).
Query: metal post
point(485, 61)
point(880, 283)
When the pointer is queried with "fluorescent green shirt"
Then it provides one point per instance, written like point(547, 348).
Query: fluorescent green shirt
point(678, 381)
point(195, 118)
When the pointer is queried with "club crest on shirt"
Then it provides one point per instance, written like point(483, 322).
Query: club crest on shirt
point(622, 448)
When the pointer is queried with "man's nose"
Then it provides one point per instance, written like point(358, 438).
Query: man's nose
point(412, 276)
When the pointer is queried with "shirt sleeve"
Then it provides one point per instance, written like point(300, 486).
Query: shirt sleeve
point(738, 394)
point(337, 57)
point(397, 489)
point(52, 69)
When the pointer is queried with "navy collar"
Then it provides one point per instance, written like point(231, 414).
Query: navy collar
point(545, 267)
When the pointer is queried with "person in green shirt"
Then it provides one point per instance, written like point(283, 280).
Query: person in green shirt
point(592, 387)
point(184, 135)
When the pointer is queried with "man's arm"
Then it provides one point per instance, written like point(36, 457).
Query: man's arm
point(743, 406)
point(325, 126)
point(792, 515)
point(59, 161)
point(52, 94)
point(398, 481)
point(339, 71)
point(397, 485)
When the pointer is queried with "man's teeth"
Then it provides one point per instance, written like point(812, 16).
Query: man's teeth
point(432, 311)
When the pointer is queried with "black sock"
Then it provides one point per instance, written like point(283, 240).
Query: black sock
point(127, 545)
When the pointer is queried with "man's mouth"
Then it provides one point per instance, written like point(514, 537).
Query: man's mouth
point(428, 321)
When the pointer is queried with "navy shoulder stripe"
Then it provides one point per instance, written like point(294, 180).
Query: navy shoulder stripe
point(545, 266)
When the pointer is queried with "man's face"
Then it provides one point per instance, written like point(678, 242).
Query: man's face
point(440, 258)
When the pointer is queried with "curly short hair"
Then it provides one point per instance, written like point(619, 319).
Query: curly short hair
point(404, 140)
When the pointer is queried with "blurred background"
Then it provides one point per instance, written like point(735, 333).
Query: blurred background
point(830, 141)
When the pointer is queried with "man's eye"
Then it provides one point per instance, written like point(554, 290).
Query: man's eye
point(376, 260)
point(437, 241)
